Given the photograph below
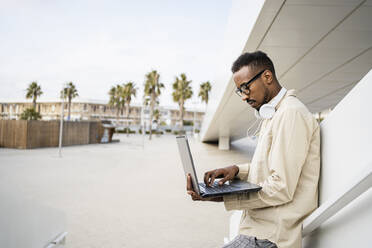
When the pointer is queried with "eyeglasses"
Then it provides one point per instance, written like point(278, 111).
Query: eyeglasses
point(244, 87)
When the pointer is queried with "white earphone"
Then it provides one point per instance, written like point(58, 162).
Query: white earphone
point(267, 110)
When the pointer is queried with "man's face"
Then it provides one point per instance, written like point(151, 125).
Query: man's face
point(258, 91)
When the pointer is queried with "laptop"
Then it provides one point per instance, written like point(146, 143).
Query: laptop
point(230, 187)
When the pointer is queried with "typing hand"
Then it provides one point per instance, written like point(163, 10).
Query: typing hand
point(227, 173)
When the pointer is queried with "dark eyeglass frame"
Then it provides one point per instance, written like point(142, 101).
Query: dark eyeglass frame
point(244, 87)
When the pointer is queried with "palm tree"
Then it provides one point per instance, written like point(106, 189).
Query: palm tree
point(157, 118)
point(181, 92)
point(69, 92)
point(157, 115)
point(205, 88)
point(153, 90)
point(116, 100)
point(33, 91)
point(129, 90)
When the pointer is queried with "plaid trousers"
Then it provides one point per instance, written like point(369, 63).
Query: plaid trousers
point(243, 241)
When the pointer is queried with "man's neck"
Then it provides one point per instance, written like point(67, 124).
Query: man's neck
point(275, 91)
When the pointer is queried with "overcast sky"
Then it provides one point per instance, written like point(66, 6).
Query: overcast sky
point(97, 44)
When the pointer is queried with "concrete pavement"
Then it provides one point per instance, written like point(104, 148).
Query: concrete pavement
point(120, 195)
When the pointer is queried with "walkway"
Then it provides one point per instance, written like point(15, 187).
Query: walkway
point(120, 195)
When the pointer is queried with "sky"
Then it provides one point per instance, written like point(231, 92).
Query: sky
point(98, 44)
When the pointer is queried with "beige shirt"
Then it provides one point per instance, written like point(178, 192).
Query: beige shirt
point(286, 164)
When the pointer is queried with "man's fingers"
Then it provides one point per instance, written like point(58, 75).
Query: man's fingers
point(207, 175)
point(195, 196)
point(213, 177)
point(189, 183)
point(223, 180)
point(190, 189)
point(216, 174)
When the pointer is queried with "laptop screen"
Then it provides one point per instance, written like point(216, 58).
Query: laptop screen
point(187, 162)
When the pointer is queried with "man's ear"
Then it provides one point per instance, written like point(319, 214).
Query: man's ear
point(268, 76)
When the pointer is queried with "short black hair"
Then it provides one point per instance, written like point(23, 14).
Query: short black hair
point(257, 60)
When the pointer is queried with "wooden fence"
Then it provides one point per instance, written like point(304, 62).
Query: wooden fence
point(34, 134)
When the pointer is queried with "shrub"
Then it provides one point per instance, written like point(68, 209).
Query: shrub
point(153, 132)
point(181, 132)
point(30, 114)
point(188, 123)
point(125, 130)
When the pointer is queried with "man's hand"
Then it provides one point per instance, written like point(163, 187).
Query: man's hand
point(195, 196)
point(227, 173)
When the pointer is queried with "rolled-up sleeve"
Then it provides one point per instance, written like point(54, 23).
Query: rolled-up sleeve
point(243, 171)
point(289, 148)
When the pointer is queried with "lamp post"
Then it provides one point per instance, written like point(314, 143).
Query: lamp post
point(143, 121)
point(61, 121)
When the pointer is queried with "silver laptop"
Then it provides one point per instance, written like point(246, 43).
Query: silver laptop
point(231, 187)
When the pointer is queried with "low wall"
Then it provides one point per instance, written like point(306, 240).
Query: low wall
point(34, 134)
point(13, 134)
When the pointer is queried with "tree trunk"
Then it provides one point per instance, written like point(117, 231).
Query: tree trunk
point(117, 116)
point(151, 114)
point(69, 109)
point(34, 103)
point(128, 120)
point(181, 112)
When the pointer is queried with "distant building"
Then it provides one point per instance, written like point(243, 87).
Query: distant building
point(98, 110)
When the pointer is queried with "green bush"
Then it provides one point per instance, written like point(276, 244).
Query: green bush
point(168, 130)
point(30, 114)
point(126, 130)
point(197, 131)
point(153, 132)
point(181, 132)
point(188, 123)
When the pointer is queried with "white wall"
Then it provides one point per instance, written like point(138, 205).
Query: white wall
point(346, 151)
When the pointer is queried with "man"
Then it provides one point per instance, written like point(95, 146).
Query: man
point(285, 164)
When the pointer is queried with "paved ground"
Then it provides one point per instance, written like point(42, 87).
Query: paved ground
point(121, 195)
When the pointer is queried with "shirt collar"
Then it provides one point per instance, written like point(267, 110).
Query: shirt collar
point(291, 92)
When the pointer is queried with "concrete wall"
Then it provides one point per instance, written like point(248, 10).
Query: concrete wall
point(346, 150)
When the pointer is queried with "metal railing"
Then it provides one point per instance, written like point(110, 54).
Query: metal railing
point(360, 185)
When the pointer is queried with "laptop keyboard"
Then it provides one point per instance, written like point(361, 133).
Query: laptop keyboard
point(215, 188)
